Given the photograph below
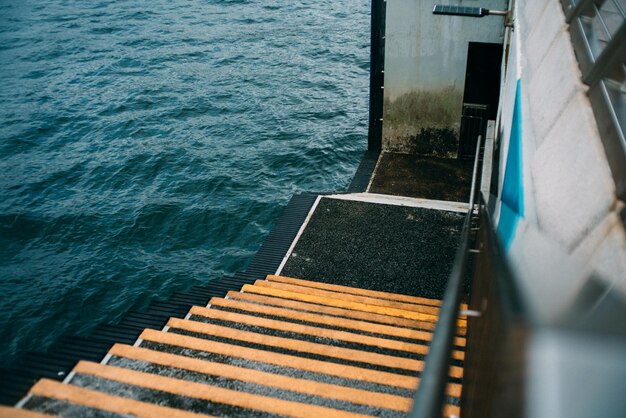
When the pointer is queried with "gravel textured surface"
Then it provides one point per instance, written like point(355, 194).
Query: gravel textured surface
point(381, 247)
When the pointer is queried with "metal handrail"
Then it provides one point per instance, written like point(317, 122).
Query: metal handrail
point(430, 397)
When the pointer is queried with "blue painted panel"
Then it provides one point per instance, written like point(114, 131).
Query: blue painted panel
point(513, 188)
point(507, 225)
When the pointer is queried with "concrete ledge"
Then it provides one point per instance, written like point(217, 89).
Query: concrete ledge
point(541, 33)
point(411, 202)
point(531, 10)
point(550, 278)
point(604, 251)
point(574, 189)
point(553, 84)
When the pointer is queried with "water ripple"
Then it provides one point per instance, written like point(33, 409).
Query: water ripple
point(146, 147)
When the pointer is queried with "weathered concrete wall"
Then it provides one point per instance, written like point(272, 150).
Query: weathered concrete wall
point(425, 63)
point(570, 207)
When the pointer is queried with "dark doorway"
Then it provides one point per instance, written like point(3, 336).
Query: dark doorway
point(481, 95)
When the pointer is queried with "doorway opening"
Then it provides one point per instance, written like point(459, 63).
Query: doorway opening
point(481, 94)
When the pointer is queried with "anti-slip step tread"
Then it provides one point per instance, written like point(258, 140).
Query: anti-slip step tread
point(431, 310)
point(326, 320)
point(211, 394)
point(233, 384)
point(283, 360)
point(279, 347)
point(356, 291)
point(314, 331)
point(330, 310)
point(105, 402)
point(10, 412)
point(304, 346)
point(264, 378)
point(342, 303)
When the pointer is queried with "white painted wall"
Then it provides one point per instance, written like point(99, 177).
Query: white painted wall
point(571, 209)
point(425, 65)
point(423, 51)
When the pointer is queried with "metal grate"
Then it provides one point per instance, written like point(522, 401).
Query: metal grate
point(61, 357)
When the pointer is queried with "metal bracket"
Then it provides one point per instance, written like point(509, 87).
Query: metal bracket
point(470, 312)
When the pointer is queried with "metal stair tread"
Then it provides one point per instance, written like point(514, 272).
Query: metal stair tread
point(339, 322)
point(431, 310)
point(212, 394)
point(273, 324)
point(277, 338)
point(334, 311)
point(271, 379)
point(102, 401)
point(356, 291)
point(341, 303)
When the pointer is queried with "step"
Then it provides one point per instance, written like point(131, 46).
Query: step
point(339, 312)
point(426, 309)
point(266, 290)
point(104, 402)
point(283, 360)
point(356, 291)
point(315, 331)
point(212, 394)
point(327, 320)
point(263, 378)
point(322, 350)
point(279, 347)
point(11, 412)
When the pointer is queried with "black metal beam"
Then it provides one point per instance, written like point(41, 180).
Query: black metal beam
point(377, 76)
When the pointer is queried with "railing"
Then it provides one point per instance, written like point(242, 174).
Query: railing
point(494, 362)
point(473, 124)
point(431, 394)
point(598, 30)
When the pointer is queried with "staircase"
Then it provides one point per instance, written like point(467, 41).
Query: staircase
point(279, 347)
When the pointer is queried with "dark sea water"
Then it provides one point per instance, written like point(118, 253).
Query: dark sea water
point(148, 146)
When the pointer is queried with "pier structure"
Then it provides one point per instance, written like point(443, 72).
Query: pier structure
point(348, 337)
point(476, 265)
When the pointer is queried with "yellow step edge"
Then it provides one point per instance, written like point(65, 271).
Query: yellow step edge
point(105, 402)
point(309, 387)
point(451, 411)
point(11, 412)
point(381, 310)
point(210, 393)
point(340, 312)
point(334, 321)
point(305, 346)
point(284, 360)
point(343, 371)
point(340, 303)
point(316, 331)
point(356, 291)
point(431, 310)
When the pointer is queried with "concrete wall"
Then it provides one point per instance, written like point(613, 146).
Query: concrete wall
point(571, 214)
point(425, 62)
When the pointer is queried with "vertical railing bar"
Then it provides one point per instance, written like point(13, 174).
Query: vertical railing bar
point(619, 7)
point(612, 53)
point(601, 19)
point(578, 9)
